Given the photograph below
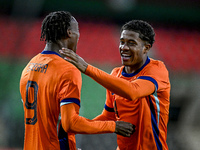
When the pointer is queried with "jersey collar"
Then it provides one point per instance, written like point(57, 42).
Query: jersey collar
point(50, 52)
point(137, 71)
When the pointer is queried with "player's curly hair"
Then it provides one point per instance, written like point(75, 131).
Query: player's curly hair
point(54, 26)
point(145, 30)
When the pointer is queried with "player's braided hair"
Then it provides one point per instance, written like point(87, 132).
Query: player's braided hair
point(145, 30)
point(54, 26)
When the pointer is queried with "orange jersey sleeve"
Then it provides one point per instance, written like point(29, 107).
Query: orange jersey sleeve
point(135, 89)
point(70, 87)
point(108, 112)
point(106, 115)
point(72, 122)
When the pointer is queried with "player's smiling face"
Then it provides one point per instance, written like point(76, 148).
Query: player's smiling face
point(132, 49)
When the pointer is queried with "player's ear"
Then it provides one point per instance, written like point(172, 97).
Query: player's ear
point(146, 47)
point(69, 32)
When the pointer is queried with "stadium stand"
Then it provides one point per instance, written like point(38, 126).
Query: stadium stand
point(99, 43)
point(178, 49)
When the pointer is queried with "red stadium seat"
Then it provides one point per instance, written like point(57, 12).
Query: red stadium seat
point(178, 48)
point(98, 43)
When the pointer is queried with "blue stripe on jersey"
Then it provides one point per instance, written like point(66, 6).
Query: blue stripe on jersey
point(108, 108)
point(150, 79)
point(137, 71)
point(155, 125)
point(50, 52)
point(70, 100)
point(157, 104)
point(154, 94)
point(63, 139)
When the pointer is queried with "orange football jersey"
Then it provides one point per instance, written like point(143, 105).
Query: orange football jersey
point(50, 86)
point(141, 98)
point(47, 82)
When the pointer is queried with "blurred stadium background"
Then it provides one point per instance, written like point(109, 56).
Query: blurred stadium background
point(176, 24)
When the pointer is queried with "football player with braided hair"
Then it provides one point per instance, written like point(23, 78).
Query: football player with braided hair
point(51, 86)
point(55, 26)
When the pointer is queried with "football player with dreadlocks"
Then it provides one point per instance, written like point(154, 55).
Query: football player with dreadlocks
point(50, 86)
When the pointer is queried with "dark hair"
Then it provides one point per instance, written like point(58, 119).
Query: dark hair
point(54, 26)
point(145, 30)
